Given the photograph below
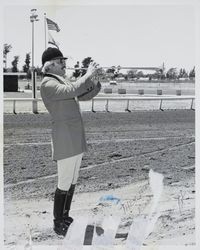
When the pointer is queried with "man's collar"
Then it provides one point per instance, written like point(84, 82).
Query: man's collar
point(57, 77)
point(51, 74)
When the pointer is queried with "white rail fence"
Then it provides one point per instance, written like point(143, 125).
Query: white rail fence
point(128, 99)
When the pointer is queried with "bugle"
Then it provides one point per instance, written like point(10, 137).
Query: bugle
point(118, 68)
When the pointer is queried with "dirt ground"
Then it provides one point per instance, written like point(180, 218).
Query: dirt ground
point(122, 148)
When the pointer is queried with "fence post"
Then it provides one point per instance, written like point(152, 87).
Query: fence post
point(191, 107)
point(34, 92)
point(161, 104)
point(127, 107)
point(107, 106)
point(93, 105)
point(34, 107)
point(14, 108)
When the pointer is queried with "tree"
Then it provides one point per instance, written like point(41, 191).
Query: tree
point(85, 63)
point(14, 64)
point(192, 73)
point(132, 73)
point(185, 74)
point(111, 70)
point(6, 50)
point(116, 73)
point(182, 73)
point(38, 71)
point(159, 74)
point(172, 73)
point(26, 66)
point(140, 74)
point(77, 71)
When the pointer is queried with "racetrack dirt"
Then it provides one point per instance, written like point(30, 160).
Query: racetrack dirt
point(122, 148)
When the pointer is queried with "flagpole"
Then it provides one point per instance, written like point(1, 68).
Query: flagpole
point(45, 32)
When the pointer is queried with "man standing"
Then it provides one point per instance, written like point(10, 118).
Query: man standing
point(60, 97)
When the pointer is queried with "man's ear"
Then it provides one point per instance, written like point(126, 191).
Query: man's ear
point(50, 66)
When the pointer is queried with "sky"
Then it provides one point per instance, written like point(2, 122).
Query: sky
point(135, 35)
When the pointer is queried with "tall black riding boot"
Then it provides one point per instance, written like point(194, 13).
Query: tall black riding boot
point(60, 225)
point(68, 202)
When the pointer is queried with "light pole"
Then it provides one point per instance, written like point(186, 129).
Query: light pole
point(33, 18)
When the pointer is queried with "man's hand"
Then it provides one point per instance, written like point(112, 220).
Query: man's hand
point(93, 69)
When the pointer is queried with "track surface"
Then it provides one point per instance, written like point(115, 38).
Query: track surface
point(122, 147)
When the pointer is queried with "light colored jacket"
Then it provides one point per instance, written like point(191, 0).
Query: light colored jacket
point(60, 99)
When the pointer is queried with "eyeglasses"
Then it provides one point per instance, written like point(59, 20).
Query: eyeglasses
point(60, 60)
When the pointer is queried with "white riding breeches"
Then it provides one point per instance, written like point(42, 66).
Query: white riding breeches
point(68, 171)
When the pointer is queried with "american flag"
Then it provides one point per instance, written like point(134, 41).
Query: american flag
point(52, 25)
point(51, 40)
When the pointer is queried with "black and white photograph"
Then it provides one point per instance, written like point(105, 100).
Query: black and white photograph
point(99, 125)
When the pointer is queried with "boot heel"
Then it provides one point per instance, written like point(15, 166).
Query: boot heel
point(68, 220)
point(60, 227)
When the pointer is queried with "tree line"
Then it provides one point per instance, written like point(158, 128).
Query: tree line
point(111, 73)
point(114, 73)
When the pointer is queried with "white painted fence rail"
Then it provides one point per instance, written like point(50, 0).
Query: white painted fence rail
point(144, 98)
point(14, 74)
point(107, 99)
